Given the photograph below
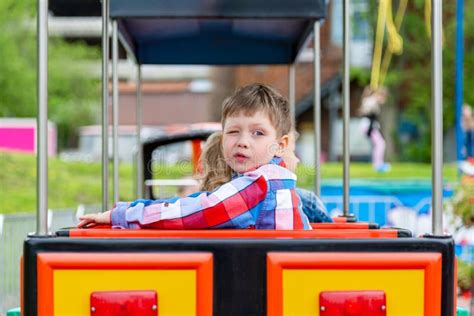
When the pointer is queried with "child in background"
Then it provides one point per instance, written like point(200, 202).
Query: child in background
point(256, 124)
point(217, 172)
point(312, 205)
point(372, 100)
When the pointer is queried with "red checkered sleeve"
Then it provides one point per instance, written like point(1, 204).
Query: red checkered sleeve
point(233, 205)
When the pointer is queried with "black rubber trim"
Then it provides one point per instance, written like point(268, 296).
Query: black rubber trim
point(63, 232)
point(350, 218)
point(403, 233)
point(374, 226)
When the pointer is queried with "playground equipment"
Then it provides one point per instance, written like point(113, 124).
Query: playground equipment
point(345, 268)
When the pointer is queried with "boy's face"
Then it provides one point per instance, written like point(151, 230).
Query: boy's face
point(289, 157)
point(251, 141)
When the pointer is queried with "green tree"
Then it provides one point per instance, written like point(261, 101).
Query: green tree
point(412, 73)
point(74, 96)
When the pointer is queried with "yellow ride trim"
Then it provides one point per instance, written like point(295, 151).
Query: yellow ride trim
point(176, 289)
point(404, 289)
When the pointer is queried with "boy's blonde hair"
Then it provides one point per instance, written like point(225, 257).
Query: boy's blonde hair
point(216, 172)
point(260, 97)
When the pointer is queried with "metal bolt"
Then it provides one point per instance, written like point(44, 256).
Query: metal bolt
point(154, 307)
point(322, 308)
point(93, 309)
point(383, 307)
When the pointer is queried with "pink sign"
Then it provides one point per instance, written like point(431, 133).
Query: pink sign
point(19, 135)
point(18, 138)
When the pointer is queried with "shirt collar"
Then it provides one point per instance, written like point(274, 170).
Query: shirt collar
point(275, 161)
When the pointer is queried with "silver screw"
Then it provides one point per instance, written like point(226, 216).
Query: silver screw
point(322, 308)
point(383, 307)
point(154, 307)
point(93, 309)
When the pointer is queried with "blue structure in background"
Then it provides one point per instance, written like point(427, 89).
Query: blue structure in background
point(381, 197)
point(459, 77)
point(371, 201)
point(465, 252)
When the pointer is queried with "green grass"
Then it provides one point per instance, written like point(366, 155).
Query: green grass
point(69, 183)
point(73, 183)
point(398, 172)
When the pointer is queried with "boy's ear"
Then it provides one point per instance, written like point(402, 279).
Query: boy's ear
point(282, 145)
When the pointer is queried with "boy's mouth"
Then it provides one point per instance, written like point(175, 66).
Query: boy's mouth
point(240, 157)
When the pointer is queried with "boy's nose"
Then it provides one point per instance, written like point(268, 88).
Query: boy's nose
point(242, 145)
point(243, 142)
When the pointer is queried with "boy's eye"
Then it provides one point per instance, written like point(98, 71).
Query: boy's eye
point(258, 133)
point(232, 132)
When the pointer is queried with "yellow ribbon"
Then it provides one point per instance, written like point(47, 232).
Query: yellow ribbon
point(379, 35)
point(387, 58)
point(394, 42)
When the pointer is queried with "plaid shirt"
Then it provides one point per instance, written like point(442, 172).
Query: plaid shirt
point(264, 198)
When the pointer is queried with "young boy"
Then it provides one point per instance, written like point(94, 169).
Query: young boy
point(256, 124)
point(216, 173)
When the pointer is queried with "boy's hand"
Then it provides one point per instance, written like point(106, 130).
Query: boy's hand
point(91, 220)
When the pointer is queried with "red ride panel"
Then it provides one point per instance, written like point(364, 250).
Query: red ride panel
point(352, 303)
point(124, 303)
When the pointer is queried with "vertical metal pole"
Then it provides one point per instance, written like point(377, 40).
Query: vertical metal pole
point(437, 116)
point(105, 104)
point(317, 107)
point(291, 91)
point(346, 108)
point(139, 116)
point(459, 77)
point(115, 111)
point(42, 120)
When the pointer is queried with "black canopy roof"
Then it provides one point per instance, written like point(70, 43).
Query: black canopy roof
point(212, 32)
point(75, 7)
point(216, 32)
